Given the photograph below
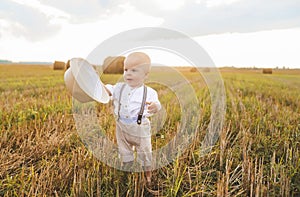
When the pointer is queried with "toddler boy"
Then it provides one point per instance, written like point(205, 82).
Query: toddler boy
point(133, 104)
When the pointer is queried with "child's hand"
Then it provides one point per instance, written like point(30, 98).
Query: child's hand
point(152, 107)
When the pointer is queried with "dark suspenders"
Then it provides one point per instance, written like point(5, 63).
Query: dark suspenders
point(119, 105)
point(140, 115)
point(139, 119)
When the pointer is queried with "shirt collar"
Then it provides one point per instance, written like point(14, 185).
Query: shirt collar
point(134, 88)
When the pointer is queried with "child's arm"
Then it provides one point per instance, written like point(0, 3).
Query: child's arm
point(108, 91)
point(153, 107)
point(153, 103)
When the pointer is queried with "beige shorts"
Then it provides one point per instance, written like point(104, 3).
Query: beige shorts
point(131, 137)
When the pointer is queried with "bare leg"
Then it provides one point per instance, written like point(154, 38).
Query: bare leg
point(148, 173)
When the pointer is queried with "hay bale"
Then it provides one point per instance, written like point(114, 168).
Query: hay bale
point(57, 65)
point(193, 70)
point(267, 71)
point(67, 65)
point(113, 65)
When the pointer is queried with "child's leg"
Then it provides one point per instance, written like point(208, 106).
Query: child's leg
point(148, 173)
point(144, 154)
point(125, 149)
point(144, 149)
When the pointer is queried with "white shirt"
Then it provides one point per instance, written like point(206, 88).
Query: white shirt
point(131, 100)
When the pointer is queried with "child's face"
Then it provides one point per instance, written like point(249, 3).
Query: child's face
point(135, 76)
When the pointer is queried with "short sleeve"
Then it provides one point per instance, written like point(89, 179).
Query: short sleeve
point(110, 88)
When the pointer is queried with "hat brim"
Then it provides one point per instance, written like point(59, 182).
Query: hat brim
point(88, 80)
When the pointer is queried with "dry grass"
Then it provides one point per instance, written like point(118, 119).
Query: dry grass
point(257, 153)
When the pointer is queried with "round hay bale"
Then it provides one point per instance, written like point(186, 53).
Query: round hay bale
point(58, 65)
point(267, 71)
point(113, 65)
point(67, 65)
point(193, 70)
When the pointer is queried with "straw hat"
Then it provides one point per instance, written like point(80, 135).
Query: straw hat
point(83, 82)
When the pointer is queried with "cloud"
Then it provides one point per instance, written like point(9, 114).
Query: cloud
point(20, 20)
point(203, 17)
point(239, 16)
point(82, 11)
point(37, 20)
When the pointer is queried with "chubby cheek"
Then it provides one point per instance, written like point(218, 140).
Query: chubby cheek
point(126, 75)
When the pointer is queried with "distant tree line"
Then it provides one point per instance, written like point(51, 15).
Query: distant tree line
point(5, 61)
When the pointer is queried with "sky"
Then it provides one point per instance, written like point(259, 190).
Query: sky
point(240, 33)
